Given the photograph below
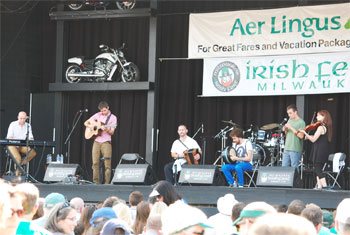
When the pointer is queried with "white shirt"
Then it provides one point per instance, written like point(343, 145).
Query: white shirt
point(179, 148)
point(243, 148)
point(18, 132)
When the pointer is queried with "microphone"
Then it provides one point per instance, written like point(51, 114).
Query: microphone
point(202, 128)
point(83, 111)
point(285, 120)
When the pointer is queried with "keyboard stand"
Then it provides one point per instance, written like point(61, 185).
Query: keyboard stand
point(28, 177)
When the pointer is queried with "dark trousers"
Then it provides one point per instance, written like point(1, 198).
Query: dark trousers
point(168, 172)
point(318, 170)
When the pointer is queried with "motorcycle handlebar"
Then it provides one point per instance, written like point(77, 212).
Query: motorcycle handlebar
point(106, 48)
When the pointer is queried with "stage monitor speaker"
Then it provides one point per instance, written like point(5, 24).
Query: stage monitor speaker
point(278, 177)
point(58, 172)
point(134, 174)
point(201, 175)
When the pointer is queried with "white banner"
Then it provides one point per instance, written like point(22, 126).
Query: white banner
point(277, 75)
point(295, 30)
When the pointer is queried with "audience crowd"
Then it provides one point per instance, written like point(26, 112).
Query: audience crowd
point(23, 212)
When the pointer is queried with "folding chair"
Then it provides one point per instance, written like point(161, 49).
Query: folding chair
point(130, 157)
point(334, 167)
point(251, 174)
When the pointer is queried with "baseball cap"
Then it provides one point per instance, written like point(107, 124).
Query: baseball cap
point(53, 199)
point(105, 212)
point(327, 218)
point(154, 193)
point(111, 225)
point(248, 214)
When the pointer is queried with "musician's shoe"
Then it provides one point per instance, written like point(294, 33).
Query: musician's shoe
point(234, 185)
point(328, 187)
point(240, 186)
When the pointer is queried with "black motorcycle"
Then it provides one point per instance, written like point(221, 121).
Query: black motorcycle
point(109, 66)
point(121, 4)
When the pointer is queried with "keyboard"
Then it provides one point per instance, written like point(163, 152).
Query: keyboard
point(31, 143)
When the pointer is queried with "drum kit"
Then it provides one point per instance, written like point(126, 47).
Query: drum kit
point(267, 141)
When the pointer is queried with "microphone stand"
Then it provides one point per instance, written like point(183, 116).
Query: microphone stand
point(27, 175)
point(69, 135)
point(200, 128)
point(203, 139)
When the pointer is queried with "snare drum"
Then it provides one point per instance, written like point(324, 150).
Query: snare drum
point(226, 155)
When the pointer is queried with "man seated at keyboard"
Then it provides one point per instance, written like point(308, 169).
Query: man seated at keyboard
point(21, 130)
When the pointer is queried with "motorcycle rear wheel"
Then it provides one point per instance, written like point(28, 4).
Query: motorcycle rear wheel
point(125, 4)
point(75, 6)
point(131, 73)
point(73, 69)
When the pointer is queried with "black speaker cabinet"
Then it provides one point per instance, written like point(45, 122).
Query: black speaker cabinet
point(278, 177)
point(134, 174)
point(58, 172)
point(201, 175)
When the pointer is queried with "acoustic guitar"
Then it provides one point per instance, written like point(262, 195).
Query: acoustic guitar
point(97, 129)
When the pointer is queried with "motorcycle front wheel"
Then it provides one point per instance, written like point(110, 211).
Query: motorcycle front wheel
point(125, 4)
point(130, 73)
point(73, 69)
point(75, 6)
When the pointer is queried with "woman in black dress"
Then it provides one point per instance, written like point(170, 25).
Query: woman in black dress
point(321, 145)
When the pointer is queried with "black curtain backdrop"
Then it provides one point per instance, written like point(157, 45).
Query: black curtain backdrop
point(130, 109)
point(30, 67)
point(180, 87)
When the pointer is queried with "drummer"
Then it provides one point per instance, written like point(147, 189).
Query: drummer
point(243, 158)
point(294, 140)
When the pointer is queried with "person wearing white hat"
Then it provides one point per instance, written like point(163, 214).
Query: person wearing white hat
point(221, 221)
point(182, 219)
point(342, 218)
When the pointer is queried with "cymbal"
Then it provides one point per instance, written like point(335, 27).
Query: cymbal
point(230, 122)
point(269, 126)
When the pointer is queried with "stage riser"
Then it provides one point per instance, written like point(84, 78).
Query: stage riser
point(205, 196)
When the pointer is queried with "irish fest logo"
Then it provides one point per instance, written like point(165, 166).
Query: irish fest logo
point(226, 76)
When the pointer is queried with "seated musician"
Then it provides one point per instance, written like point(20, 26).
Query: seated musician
point(21, 130)
point(178, 150)
point(243, 159)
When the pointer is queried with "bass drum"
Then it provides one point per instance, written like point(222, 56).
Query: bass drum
point(259, 153)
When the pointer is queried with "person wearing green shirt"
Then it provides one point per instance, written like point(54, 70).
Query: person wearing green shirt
point(294, 139)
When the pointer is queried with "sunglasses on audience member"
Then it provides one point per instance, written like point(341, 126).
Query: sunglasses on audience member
point(19, 212)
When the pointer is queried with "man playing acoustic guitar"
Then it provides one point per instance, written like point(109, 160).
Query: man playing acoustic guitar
point(179, 149)
point(243, 158)
point(102, 143)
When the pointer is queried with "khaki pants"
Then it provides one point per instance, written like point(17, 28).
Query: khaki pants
point(16, 153)
point(106, 150)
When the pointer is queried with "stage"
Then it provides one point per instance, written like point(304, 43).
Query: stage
point(204, 197)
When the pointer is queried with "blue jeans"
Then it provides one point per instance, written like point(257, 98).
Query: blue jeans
point(291, 158)
point(239, 168)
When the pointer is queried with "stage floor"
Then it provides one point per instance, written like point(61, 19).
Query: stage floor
point(204, 197)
